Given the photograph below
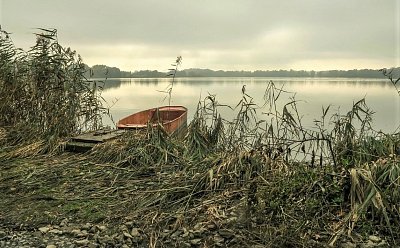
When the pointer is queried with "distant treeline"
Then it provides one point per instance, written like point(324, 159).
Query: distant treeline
point(103, 71)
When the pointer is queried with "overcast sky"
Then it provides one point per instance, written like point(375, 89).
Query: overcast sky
point(216, 34)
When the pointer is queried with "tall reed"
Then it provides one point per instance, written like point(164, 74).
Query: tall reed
point(46, 95)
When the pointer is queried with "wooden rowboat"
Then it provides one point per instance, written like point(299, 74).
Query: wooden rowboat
point(172, 118)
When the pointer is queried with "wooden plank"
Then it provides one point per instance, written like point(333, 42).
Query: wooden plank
point(98, 136)
point(79, 146)
point(85, 142)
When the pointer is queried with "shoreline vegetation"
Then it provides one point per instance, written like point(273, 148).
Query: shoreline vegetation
point(102, 71)
point(245, 182)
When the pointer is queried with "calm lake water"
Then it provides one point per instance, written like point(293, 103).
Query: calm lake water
point(131, 95)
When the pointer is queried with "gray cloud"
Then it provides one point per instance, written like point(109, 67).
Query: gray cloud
point(223, 34)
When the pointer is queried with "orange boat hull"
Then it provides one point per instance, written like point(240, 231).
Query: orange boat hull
point(172, 118)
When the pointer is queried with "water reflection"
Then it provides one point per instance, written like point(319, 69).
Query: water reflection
point(138, 94)
point(117, 82)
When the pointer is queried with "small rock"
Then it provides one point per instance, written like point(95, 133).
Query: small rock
point(101, 228)
point(2, 234)
point(13, 189)
point(86, 226)
point(44, 229)
point(349, 245)
point(106, 239)
point(211, 226)
point(374, 238)
point(82, 242)
point(77, 232)
point(370, 244)
point(56, 231)
point(92, 229)
point(383, 243)
point(126, 234)
point(195, 241)
point(218, 239)
point(129, 223)
point(123, 228)
point(51, 246)
point(64, 222)
point(121, 238)
point(128, 241)
point(135, 232)
point(125, 246)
